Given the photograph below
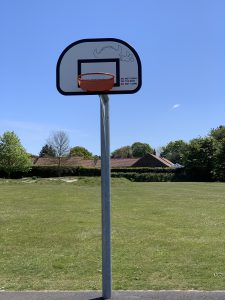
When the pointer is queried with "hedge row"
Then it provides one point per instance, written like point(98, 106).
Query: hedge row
point(55, 171)
point(146, 177)
point(145, 170)
point(134, 174)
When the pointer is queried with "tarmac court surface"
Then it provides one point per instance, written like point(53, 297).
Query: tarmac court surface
point(116, 295)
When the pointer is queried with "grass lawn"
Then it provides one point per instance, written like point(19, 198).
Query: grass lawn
point(164, 235)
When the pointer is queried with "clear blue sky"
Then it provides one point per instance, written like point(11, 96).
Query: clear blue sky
point(181, 44)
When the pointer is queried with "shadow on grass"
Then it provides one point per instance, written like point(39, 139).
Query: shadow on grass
point(100, 298)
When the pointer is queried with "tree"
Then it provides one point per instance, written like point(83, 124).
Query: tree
point(59, 141)
point(175, 151)
point(200, 158)
point(219, 161)
point(123, 152)
point(140, 149)
point(81, 151)
point(218, 133)
point(13, 156)
point(47, 151)
point(136, 150)
point(96, 158)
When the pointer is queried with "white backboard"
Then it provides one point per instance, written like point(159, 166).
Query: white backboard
point(106, 55)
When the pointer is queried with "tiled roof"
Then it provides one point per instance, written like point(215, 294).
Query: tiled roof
point(88, 163)
point(65, 161)
point(149, 160)
point(123, 162)
point(167, 161)
point(164, 161)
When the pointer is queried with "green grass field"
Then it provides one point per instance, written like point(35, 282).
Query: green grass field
point(164, 235)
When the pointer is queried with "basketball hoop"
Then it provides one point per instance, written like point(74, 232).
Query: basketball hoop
point(100, 66)
point(96, 82)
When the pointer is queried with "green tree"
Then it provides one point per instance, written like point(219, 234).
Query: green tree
point(123, 152)
point(219, 161)
point(200, 158)
point(140, 149)
point(218, 133)
point(175, 151)
point(81, 151)
point(47, 151)
point(13, 157)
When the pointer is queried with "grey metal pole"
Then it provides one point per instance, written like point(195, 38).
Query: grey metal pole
point(105, 193)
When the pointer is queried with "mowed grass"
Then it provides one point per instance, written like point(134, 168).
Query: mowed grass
point(164, 235)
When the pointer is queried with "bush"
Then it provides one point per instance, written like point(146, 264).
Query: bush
point(145, 177)
point(144, 170)
point(134, 174)
point(55, 171)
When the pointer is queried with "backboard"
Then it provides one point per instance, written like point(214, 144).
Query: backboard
point(104, 55)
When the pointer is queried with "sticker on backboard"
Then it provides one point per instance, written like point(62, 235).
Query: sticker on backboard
point(106, 55)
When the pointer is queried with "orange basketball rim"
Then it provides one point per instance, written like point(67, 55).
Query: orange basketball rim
point(96, 82)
